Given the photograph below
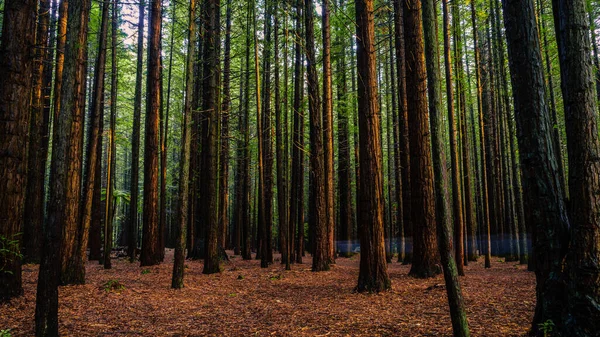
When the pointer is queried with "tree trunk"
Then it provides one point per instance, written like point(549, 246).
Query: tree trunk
point(541, 180)
point(426, 256)
point(224, 163)
point(184, 168)
point(64, 184)
point(150, 254)
point(328, 131)
point(404, 214)
point(577, 83)
point(318, 197)
point(38, 137)
point(210, 150)
point(373, 275)
point(16, 70)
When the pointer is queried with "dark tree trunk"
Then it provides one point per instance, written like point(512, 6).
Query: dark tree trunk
point(318, 197)
point(328, 131)
point(38, 137)
point(297, 175)
point(94, 152)
point(64, 184)
point(150, 254)
point(16, 69)
point(457, 201)
point(210, 150)
point(426, 257)
point(482, 150)
point(405, 222)
point(373, 275)
point(184, 168)
point(541, 181)
point(224, 158)
point(344, 166)
point(132, 219)
point(577, 83)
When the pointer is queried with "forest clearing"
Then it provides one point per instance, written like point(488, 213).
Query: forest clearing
point(246, 300)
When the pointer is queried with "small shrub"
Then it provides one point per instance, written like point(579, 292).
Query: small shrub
point(546, 328)
point(9, 251)
point(113, 285)
point(240, 277)
point(5, 333)
point(145, 271)
point(232, 295)
point(275, 277)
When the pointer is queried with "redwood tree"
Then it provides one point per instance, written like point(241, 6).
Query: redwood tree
point(373, 275)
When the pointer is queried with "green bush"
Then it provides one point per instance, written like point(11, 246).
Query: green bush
point(9, 250)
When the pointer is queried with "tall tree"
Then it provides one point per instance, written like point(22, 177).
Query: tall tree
point(328, 130)
point(449, 264)
point(457, 194)
point(425, 258)
point(577, 83)
point(373, 275)
point(318, 197)
point(62, 182)
point(16, 69)
point(38, 136)
point(132, 219)
point(297, 174)
point(150, 254)
point(541, 180)
point(211, 107)
point(404, 212)
point(482, 151)
point(225, 112)
point(184, 168)
point(91, 174)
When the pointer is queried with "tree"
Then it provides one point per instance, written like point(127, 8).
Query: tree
point(184, 168)
point(328, 131)
point(225, 112)
point(38, 135)
point(151, 254)
point(457, 307)
point(62, 183)
point(373, 275)
point(16, 69)
point(425, 257)
point(132, 219)
point(541, 180)
point(212, 110)
point(318, 197)
point(577, 84)
point(94, 150)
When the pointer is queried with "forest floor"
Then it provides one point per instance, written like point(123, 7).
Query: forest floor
point(245, 300)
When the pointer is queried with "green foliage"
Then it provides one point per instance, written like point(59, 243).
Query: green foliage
point(240, 277)
point(113, 285)
point(275, 277)
point(9, 250)
point(546, 328)
point(5, 333)
point(146, 271)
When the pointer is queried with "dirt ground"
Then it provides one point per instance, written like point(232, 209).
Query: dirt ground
point(245, 300)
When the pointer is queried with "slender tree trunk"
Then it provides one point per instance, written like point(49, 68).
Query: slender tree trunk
point(224, 163)
point(404, 142)
point(38, 137)
point(328, 131)
point(64, 184)
point(16, 70)
point(318, 197)
point(132, 219)
point(210, 151)
point(482, 150)
point(373, 275)
point(150, 254)
point(297, 175)
point(426, 258)
point(244, 201)
point(184, 168)
point(94, 152)
point(577, 83)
